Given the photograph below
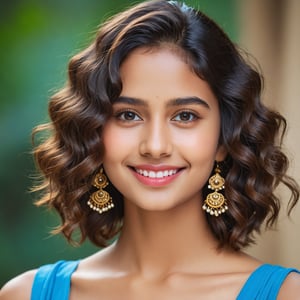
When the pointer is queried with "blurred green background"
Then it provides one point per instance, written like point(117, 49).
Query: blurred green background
point(37, 38)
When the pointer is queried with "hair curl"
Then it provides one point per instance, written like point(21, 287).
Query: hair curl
point(250, 132)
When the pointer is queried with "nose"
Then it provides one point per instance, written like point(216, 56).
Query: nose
point(156, 141)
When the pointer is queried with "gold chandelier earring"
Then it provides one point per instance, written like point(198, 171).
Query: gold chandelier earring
point(100, 200)
point(215, 203)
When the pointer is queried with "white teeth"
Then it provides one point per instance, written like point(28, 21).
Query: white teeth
point(153, 174)
point(160, 174)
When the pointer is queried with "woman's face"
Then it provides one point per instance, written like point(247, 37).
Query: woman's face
point(162, 140)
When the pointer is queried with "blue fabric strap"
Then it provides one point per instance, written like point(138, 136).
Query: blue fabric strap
point(264, 283)
point(53, 281)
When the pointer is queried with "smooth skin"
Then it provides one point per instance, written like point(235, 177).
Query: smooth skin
point(167, 122)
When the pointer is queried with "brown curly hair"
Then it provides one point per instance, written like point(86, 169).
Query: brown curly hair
point(251, 133)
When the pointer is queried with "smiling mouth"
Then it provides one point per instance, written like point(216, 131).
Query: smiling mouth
point(156, 174)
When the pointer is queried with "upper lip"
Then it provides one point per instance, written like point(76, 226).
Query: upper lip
point(156, 168)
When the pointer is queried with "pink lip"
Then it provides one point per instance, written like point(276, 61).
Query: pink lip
point(156, 182)
point(157, 168)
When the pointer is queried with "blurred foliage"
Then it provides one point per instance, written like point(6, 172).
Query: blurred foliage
point(37, 38)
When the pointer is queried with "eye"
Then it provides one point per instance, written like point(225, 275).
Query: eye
point(185, 116)
point(128, 115)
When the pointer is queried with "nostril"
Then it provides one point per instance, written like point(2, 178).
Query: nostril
point(156, 146)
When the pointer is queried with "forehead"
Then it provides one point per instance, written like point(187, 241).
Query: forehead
point(163, 73)
point(164, 48)
point(148, 65)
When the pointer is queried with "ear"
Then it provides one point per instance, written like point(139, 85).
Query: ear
point(221, 153)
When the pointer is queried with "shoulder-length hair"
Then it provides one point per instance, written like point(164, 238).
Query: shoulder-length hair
point(250, 132)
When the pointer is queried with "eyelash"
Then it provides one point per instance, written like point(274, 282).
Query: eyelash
point(121, 115)
point(187, 112)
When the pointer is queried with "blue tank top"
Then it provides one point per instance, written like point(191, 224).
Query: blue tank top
point(53, 282)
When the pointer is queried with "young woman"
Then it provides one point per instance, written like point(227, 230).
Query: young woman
point(160, 139)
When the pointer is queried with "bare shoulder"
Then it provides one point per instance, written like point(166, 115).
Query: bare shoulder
point(290, 288)
point(18, 287)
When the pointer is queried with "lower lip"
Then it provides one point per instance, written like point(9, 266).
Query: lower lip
point(156, 182)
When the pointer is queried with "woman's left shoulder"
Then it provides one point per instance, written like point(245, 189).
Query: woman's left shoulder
point(290, 289)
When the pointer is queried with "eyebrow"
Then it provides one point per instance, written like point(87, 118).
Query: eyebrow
point(172, 102)
point(188, 101)
point(131, 101)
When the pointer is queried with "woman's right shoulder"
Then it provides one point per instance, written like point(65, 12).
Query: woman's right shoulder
point(18, 287)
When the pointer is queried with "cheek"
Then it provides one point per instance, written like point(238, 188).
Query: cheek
point(201, 143)
point(116, 142)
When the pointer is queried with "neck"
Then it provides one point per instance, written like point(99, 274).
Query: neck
point(168, 241)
